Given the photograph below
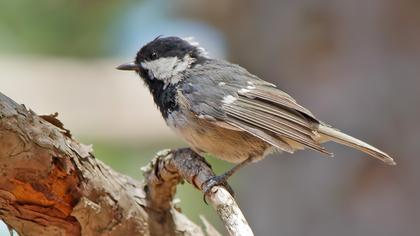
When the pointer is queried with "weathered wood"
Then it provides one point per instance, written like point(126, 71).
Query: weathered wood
point(172, 166)
point(53, 185)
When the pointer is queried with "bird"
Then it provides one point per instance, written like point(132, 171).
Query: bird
point(221, 109)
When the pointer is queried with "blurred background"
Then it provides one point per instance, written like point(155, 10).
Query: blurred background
point(355, 64)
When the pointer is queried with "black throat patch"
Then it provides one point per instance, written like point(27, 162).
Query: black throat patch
point(164, 97)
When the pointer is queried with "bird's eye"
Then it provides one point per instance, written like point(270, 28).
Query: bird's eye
point(153, 55)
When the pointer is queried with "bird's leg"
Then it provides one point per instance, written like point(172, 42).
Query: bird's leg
point(222, 179)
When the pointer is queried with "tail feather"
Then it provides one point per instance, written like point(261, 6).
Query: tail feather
point(339, 137)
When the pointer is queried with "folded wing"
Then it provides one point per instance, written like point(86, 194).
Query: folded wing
point(245, 102)
point(233, 97)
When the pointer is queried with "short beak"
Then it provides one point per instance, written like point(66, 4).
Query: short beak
point(128, 66)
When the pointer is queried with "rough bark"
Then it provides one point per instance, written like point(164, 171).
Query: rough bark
point(170, 167)
point(53, 185)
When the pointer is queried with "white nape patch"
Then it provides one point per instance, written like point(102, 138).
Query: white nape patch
point(229, 99)
point(194, 43)
point(166, 68)
point(221, 83)
point(191, 40)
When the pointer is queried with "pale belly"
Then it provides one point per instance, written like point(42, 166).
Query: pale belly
point(206, 137)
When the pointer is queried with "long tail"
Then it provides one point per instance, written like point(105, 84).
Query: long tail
point(342, 138)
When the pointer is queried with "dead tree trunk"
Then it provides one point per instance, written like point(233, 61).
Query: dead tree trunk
point(50, 184)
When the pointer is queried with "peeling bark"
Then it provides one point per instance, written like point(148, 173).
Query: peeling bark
point(170, 167)
point(52, 185)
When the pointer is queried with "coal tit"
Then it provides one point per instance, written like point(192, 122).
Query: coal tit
point(221, 109)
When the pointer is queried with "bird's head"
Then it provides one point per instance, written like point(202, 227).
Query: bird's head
point(165, 58)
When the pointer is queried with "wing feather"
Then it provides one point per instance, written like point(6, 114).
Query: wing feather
point(278, 121)
point(249, 128)
point(258, 108)
point(254, 106)
point(274, 111)
point(277, 97)
point(260, 120)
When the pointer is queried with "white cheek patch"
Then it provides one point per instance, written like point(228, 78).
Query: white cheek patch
point(166, 68)
point(161, 68)
point(182, 65)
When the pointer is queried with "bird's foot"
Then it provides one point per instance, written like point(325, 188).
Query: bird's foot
point(219, 180)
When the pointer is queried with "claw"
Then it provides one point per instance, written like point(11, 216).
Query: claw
point(220, 180)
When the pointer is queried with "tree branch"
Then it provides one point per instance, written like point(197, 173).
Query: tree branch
point(53, 185)
point(170, 167)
